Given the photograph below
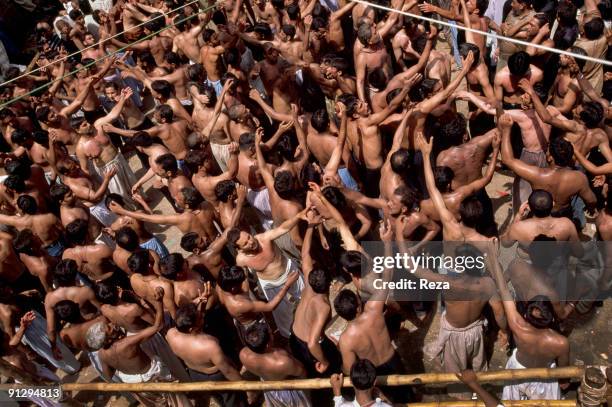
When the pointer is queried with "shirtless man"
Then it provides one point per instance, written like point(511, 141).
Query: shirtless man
point(158, 45)
point(122, 355)
point(128, 315)
point(34, 258)
point(364, 139)
point(64, 279)
point(186, 42)
point(47, 227)
point(566, 89)
point(268, 362)
point(308, 341)
point(188, 285)
point(10, 122)
point(145, 283)
point(13, 273)
point(35, 145)
point(367, 336)
point(506, 83)
point(203, 355)
point(172, 132)
point(537, 344)
point(210, 57)
point(561, 181)
point(205, 182)
point(234, 294)
point(93, 259)
point(204, 254)
point(128, 242)
point(261, 255)
point(86, 80)
point(197, 215)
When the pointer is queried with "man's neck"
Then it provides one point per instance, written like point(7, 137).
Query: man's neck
point(363, 397)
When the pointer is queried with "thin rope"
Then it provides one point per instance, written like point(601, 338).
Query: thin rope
point(10, 102)
point(96, 44)
point(488, 34)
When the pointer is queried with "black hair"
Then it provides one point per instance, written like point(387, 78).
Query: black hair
point(142, 139)
point(482, 6)
point(263, 29)
point(561, 151)
point(594, 28)
point(283, 184)
point(408, 197)
point(194, 160)
point(180, 21)
point(466, 47)
point(471, 212)
point(443, 176)
point(363, 374)
point(65, 272)
point(20, 136)
point(155, 23)
point(106, 293)
point(566, 13)
point(246, 141)
point(67, 311)
point(607, 90)
point(351, 261)
point(127, 239)
point(42, 113)
point(167, 162)
point(419, 43)
point(172, 265)
point(289, 30)
point(224, 190)
point(41, 137)
point(5, 113)
point(592, 114)
point(76, 232)
point(230, 278)
point(165, 112)
point(542, 304)
point(518, 63)
point(319, 281)
point(468, 250)
point(350, 101)
point(320, 120)
point(172, 58)
point(186, 317)
point(293, 11)
point(24, 242)
point(422, 90)
point(189, 241)
point(27, 204)
point(15, 183)
point(74, 14)
point(195, 72)
point(192, 197)
point(346, 304)
point(162, 87)
point(139, 261)
point(335, 197)
point(233, 235)
point(378, 78)
point(540, 203)
point(401, 161)
point(286, 145)
point(257, 337)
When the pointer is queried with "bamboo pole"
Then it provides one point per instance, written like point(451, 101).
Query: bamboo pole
point(304, 384)
point(507, 403)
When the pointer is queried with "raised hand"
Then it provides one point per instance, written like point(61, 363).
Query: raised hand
point(427, 8)
point(422, 145)
point(505, 121)
point(158, 294)
point(27, 319)
point(110, 172)
point(292, 278)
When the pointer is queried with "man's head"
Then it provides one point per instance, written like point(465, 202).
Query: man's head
point(167, 165)
point(67, 311)
point(77, 232)
point(112, 91)
point(7, 116)
point(225, 191)
point(351, 262)
point(47, 115)
point(367, 34)
point(140, 262)
point(14, 184)
point(22, 138)
point(466, 47)
point(155, 23)
point(205, 94)
point(319, 280)
point(257, 337)
point(471, 212)
point(402, 161)
point(101, 335)
point(590, 113)
point(172, 265)
point(539, 312)
point(347, 305)
point(246, 143)
point(561, 151)
point(64, 273)
point(443, 176)
point(193, 243)
point(26, 242)
point(77, 17)
point(188, 319)
point(540, 203)
point(518, 63)
point(287, 32)
point(403, 201)
point(231, 278)
point(520, 6)
point(283, 184)
point(242, 240)
point(62, 194)
point(478, 7)
point(106, 293)
point(27, 205)
point(163, 114)
point(191, 198)
point(127, 239)
point(363, 374)
point(594, 29)
point(320, 120)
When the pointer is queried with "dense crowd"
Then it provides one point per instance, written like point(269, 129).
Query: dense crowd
point(282, 135)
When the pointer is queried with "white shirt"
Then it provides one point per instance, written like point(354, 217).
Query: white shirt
point(339, 401)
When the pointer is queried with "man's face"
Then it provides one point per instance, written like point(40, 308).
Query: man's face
point(52, 117)
point(83, 72)
point(89, 40)
point(375, 38)
point(247, 242)
point(113, 333)
point(272, 56)
point(362, 108)
point(261, 4)
point(283, 37)
point(111, 93)
point(85, 128)
point(395, 206)
point(69, 198)
point(80, 21)
point(470, 5)
point(517, 7)
point(103, 17)
point(64, 29)
point(533, 27)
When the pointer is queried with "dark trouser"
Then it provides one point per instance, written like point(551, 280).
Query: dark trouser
point(144, 159)
point(397, 394)
point(300, 350)
point(224, 398)
point(372, 182)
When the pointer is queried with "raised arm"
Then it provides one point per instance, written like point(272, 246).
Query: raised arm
point(301, 136)
point(567, 125)
point(481, 182)
point(279, 117)
point(115, 112)
point(446, 216)
point(604, 169)
point(78, 101)
point(88, 194)
point(284, 227)
point(151, 218)
point(529, 172)
point(331, 168)
point(148, 332)
point(265, 172)
point(379, 117)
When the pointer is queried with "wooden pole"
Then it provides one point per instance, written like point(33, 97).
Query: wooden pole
point(507, 403)
point(304, 384)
